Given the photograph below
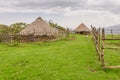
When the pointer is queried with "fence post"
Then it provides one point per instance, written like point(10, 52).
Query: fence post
point(99, 37)
point(67, 33)
point(111, 33)
point(102, 53)
point(98, 43)
point(96, 37)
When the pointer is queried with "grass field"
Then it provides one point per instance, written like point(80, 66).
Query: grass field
point(112, 56)
point(60, 60)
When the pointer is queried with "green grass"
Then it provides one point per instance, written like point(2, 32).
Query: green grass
point(60, 60)
point(112, 56)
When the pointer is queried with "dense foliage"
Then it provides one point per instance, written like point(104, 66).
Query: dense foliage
point(17, 27)
point(12, 29)
point(4, 29)
point(55, 25)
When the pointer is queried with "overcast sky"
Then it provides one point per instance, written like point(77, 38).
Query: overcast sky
point(67, 13)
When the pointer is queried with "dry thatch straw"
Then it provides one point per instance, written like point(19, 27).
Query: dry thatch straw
point(82, 28)
point(38, 27)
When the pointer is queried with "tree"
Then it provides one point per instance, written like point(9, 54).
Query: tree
point(4, 29)
point(55, 25)
point(17, 27)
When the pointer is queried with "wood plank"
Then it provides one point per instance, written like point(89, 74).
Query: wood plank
point(111, 67)
point(112, 48)
point(111, 38)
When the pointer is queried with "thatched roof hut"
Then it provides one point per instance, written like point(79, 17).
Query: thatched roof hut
point(82, 29)
point(38, 27)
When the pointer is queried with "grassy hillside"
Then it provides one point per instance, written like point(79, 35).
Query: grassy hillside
point(61, 60)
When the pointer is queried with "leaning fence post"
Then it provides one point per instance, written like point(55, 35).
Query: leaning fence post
point(98, 43)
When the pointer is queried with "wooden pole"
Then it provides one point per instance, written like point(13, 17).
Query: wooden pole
point(99, 38)
point(111, 33)
point(96, 39)
point(102, 53)
point(98, 35)
point(111, 67)
point(67, 33)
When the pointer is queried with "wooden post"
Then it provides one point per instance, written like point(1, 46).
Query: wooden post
point(92, 34)
point(67, 33)
point(98, 42)
point(96, 39)
point(111, 33)
point(99, 38)
point(102, 53)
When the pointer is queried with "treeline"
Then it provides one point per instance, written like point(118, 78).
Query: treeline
point(17, 27)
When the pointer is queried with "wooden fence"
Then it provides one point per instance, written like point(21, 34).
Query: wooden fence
point(33, 38)
point(24, 38)
point(99, 38)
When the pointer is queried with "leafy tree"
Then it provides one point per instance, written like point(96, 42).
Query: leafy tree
point(17, 27)
point(55, 25)
point(4, 29)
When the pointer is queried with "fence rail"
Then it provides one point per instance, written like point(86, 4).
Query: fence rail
point(100, 45)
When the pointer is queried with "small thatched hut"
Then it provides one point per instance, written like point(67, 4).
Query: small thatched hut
point(82, 29)
point(38, 28)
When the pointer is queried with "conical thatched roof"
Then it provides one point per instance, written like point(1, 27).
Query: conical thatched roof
point(82, 27)
point(38, 27)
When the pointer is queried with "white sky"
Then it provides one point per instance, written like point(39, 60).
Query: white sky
point(67, 13)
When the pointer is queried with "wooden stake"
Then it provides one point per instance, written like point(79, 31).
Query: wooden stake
point(111, 33)
point(102, 53)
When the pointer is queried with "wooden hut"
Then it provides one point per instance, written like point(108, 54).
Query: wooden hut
point(38, 27)
point(82, 29)
point(37, 31)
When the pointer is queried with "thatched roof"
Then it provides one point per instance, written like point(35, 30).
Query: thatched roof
point(82, 27)
point(38, 27)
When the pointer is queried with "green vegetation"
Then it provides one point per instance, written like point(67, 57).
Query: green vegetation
point(17, 27)
point(65, 59)
point(112, 54)
point(12, 29)
point(4, 29)
point(55, 25)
